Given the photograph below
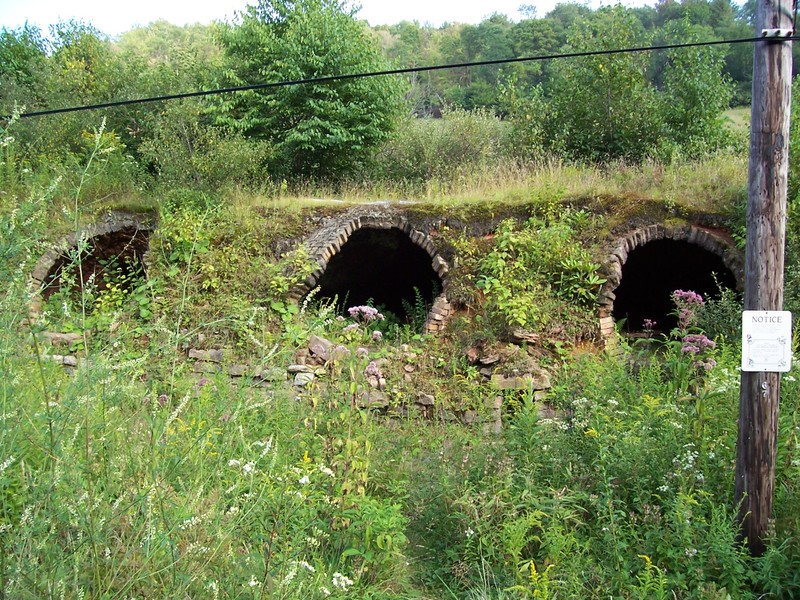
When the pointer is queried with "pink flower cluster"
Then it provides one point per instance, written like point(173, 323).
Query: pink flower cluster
point(697, 343)
point(364, 313)
point(687, 303)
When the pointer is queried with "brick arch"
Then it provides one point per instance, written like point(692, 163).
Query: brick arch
point(328, 241)
point(133, 230)
point(712, 241)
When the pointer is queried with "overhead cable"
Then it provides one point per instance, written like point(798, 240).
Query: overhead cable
point(402, 71)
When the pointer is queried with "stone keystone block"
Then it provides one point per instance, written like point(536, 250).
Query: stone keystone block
point(440, 265)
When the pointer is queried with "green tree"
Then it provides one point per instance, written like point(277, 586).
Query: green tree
point(166, 59)
point(75, 66)
point(603, 107)
point(317, 130)
point(409, 44)
point(22, 62)
point(533, 37)
point(696, 92)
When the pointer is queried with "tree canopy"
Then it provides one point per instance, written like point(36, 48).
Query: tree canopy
point(318, 129)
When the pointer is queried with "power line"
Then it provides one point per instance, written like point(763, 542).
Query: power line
point(402, 71)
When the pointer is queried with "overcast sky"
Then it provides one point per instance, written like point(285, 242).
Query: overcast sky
point(114, 17)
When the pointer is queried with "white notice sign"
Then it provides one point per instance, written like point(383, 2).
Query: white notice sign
point(767, 340)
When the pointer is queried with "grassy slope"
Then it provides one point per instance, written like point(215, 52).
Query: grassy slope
point(137, 477)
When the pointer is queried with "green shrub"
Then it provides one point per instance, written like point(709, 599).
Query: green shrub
point(530, 271)
point(459, 144)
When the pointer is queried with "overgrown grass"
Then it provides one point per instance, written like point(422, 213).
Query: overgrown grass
point(134, 476)
point(709, 185)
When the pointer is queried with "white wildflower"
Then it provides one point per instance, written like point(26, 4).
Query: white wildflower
point(322, 468)
point(291, 574)
point(189, 523)
point(469, 532)
point(6, 463)
point(249, 467)
point(341, 581)
point(306, 566)
point(304, 480)
point(234, 462)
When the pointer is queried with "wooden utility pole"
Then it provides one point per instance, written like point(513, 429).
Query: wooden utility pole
point(764, 258)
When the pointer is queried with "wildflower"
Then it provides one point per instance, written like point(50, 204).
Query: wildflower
point(688, 297)
point(372, 370)
point(326, 471)
point(699, 341)
point(365, 313)
point(249, 467)
point(234, 462)
point(291, 574)
point(306, 566)
point(253, 582)
point(687, 303)
point(189, 523)
point(266, 447)
point(377, 336)
point(351, 327)
point(649, 324)
point(690, 551)
point(325, 591)
point(304, 480)
point(362, 353)
point(469, 532)
point(341, 581)
point(6, 463)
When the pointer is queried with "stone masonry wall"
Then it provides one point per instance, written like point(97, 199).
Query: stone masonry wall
point(329, 239)
point(705, 238)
